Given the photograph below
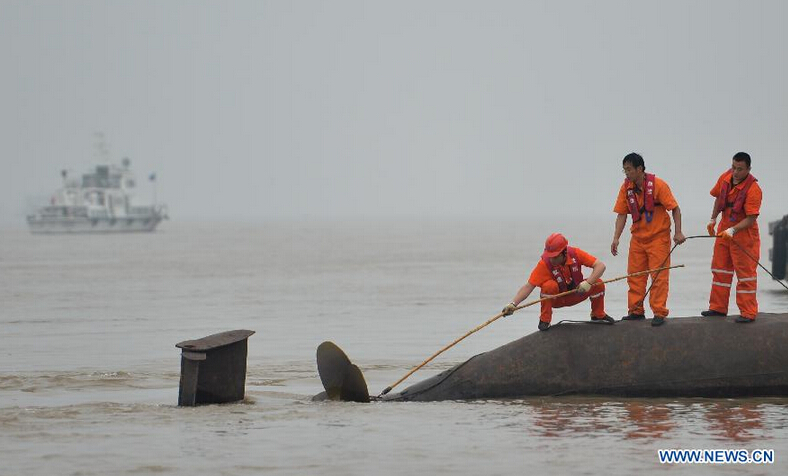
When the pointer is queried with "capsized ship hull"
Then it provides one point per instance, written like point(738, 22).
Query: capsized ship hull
point(687, 357)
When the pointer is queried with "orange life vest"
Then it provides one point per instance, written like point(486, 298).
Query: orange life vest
point(721, 203)
point(574, 269)
point(648, 199)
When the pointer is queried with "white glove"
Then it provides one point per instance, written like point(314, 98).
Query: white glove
point(583, 287)
point(727, 233)
point(508, 310)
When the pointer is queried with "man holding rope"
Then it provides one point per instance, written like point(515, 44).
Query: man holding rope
point(648, 199)
point(738, 198)
point(559, 271)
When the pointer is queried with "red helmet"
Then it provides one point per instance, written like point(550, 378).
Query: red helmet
point(554, 245)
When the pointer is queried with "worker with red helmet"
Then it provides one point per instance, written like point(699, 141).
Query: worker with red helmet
point(559, 271)
point(738, 199)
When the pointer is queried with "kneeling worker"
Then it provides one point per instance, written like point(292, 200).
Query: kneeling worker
point(559, 271)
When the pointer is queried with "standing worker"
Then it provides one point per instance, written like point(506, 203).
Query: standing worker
point(559, 271)
point(738, 199)
point(648, 199)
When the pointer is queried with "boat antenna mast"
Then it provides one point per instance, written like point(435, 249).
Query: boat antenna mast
point(101, 149)
point(152, 178)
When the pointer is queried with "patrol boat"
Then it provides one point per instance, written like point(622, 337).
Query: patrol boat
point(98, 202)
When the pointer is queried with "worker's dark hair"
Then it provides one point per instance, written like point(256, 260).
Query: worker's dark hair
point(742, 157)
point(635, 160)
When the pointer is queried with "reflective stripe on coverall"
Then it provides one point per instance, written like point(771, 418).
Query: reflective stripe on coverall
point(729, 259)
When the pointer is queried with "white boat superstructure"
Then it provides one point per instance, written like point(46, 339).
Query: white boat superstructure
point(98, 202)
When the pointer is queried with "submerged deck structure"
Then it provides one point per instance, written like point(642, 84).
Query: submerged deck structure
point(688, 357)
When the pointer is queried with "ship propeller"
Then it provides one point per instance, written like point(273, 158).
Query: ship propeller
point(342, 379)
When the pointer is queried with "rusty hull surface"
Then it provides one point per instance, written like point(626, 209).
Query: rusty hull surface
point(686, 357)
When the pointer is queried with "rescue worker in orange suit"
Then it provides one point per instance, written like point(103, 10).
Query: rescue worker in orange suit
point(648, 200)
point(738, 199)
point(559, 271)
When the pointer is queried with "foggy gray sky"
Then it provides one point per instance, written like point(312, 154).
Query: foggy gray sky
point(251, 110)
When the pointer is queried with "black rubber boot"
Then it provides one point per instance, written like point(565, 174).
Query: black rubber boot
point(607, 319)
point(657, 321)
point(744, 320)
point(633, 317)
point(543, 326)
point(711, 313)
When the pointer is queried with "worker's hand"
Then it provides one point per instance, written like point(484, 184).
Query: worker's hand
point(679, 238)
point(583, 287)
point(508, 310)
point(710, 227)
point(614, 247)
point(727, 233)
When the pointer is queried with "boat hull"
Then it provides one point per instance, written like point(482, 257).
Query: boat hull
point(687, 357)
point(77, 225)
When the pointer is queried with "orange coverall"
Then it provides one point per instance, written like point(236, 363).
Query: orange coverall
point(729, 258)
point(649, 248)
point(542, 278)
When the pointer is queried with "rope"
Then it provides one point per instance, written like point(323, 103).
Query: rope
point(654, 278)
point(746, 253)
point(759, 264)
point(439, 379)
point(705, 236)
point(569, 321)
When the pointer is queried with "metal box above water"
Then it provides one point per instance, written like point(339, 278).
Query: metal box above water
point(213, 369)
